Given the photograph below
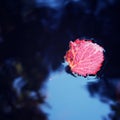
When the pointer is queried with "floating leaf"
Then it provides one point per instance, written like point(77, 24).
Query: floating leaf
point(84, 57)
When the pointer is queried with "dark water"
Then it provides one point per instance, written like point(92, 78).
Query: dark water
point(34, 37)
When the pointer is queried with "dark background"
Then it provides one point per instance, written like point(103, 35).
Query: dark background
point(34, 37)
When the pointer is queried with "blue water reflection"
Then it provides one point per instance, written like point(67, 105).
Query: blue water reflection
point(70, 100)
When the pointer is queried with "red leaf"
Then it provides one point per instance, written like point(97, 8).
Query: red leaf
point(84, 57)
